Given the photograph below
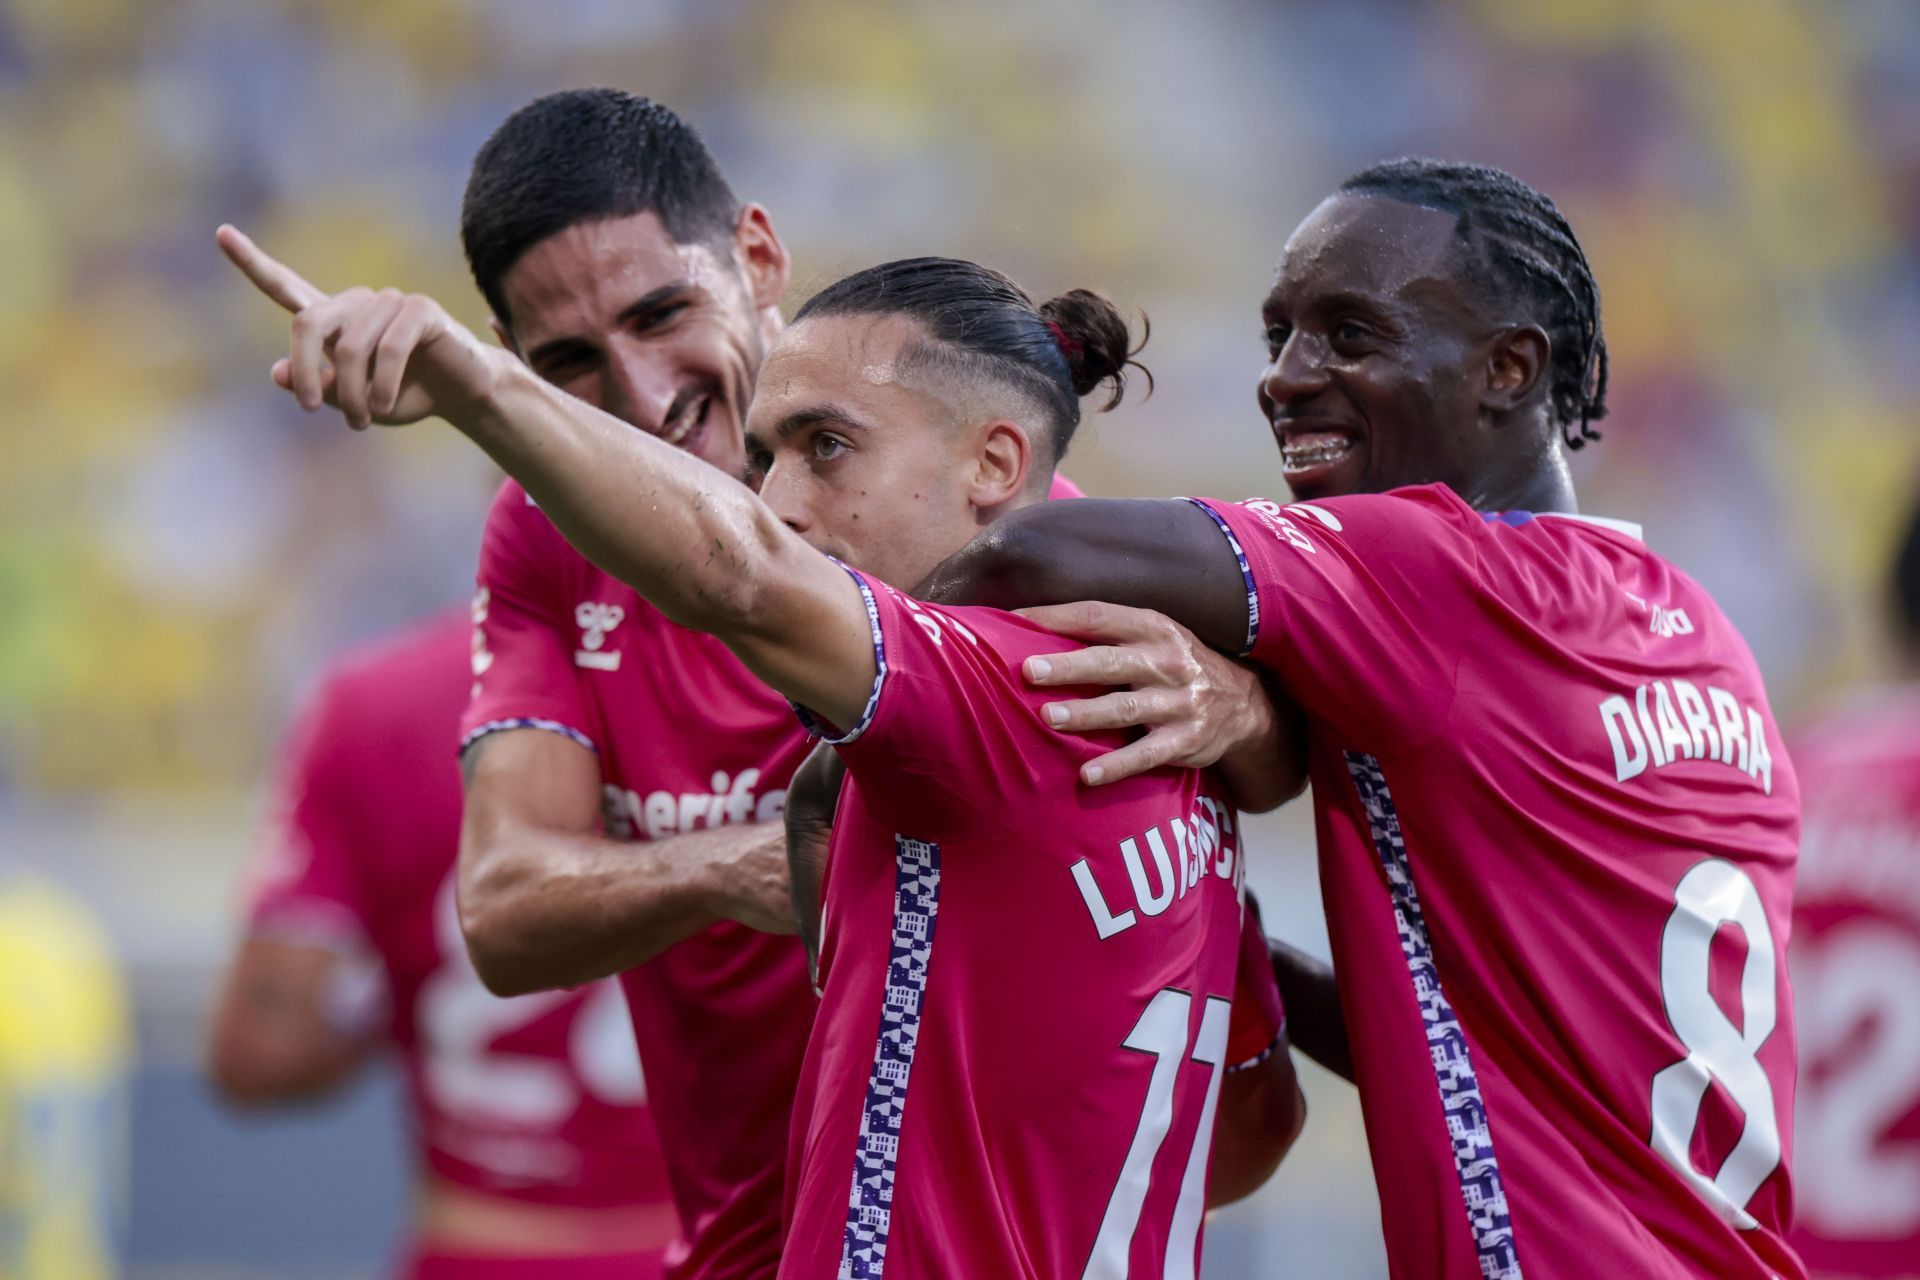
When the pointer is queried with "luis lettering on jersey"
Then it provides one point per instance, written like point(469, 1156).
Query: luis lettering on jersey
point(1203, 845)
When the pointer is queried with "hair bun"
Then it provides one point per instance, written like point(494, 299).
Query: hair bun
point(1096, 341)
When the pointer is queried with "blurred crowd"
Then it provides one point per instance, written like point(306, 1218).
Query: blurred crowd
point(177, 547)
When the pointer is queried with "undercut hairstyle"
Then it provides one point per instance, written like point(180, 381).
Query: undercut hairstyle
point(585, 155)
point(1906, 586)
point(1517, 241)
point(981, 325)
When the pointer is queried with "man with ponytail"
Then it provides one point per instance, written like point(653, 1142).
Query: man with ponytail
point(1029, 1023)
point(1557, 827)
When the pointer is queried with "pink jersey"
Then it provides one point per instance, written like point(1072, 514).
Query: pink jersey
point(1856, 967)
point(1557, 837)
point(687, 739)
point(1026, 985)
point(538, 1097)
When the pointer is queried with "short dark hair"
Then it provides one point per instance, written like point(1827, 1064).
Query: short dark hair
point(1905, 585)
point(1517, 238)
point(983, 325)
point(579, 156)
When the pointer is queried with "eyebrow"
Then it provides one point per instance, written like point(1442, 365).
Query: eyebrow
point(813, 415)
point(648, 302)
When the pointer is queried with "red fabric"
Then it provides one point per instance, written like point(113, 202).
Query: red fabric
point(1016, 1114)
point(432, 1264)
point(687, 739)
point(538, 1098)
point(1856, 966)
point(1472, 686)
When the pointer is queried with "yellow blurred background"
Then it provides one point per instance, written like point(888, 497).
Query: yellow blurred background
point(179, 548)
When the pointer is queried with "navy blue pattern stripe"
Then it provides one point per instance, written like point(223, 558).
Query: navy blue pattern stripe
point(916, 904)
point(528, 722)
point(1466, 1112)
point(1246, 574)
point(812, 723)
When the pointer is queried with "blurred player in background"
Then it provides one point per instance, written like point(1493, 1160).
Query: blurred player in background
point(1557, 828)
point(66, 1045)
point(1856, 966)
point(536, 1154)
point(909, 405)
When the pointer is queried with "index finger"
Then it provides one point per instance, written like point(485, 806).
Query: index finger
point(269, 275)
point(1093, 620)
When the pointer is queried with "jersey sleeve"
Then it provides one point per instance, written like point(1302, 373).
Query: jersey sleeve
point(306, 885)
point(946, 723)
point(1358, 605)
point(524, 632)
point(1259, 1020)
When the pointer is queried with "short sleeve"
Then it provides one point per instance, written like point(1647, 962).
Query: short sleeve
point(1358, 604)
point(306, 885)
point(1259, 1020)
point(946, 712)
point(524, 634)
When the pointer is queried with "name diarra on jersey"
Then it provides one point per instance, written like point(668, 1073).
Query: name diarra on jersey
point(1204, 848)
point(1670, 720)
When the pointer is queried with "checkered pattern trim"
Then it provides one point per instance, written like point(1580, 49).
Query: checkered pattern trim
point(528, 722)
point(1246, 574)
point(916, 903)
point(819, 728)
point(1466, 1112)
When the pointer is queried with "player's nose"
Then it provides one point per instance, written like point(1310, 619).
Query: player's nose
point(1298, 371)
point(640, 391)
point(782, 492)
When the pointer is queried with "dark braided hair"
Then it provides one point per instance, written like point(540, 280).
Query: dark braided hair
point(1519, 238)
point(983, 325)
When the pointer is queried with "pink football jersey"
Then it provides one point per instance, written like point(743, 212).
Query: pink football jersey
point(1856, 969)
point(1025, 984)
point(687, 739)
point(1557, 837)
point(537, 1097)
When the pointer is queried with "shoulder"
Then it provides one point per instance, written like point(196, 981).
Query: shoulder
point(517, 526)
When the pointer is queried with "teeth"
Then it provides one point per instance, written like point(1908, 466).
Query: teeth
point(1314, 455)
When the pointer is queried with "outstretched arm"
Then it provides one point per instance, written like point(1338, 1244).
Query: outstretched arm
point(1162, 554)
point(698, 544)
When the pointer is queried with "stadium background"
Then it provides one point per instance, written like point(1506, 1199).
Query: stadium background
point(178, 548)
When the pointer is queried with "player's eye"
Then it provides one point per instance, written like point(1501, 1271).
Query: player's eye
point(562, 365)
point(826, 446)
point(1350, 334)
point(1277, 335)
point(659, 318)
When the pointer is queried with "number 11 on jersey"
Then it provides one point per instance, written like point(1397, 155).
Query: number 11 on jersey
point(1162, 1033)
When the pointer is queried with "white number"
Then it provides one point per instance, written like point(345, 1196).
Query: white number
point(1162, 1032)
point(460, 1019)
point(1710, 895)
point(1862, 977)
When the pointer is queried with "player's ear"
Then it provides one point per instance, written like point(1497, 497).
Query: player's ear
point(1516, 367)
point(762, 255)
point(1002, 463)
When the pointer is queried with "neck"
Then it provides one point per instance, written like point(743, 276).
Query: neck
point(1544, 484)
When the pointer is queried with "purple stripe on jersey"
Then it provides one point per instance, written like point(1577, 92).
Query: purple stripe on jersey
point(1513, 519)
point(812, 723)
point(1467, 1124)
point(1246, 575)
point(528, 722)
point(916, 903)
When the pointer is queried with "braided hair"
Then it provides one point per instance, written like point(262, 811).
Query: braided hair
point(1518, 238)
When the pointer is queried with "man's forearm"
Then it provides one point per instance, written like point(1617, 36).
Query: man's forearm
point(1315, 1023)
point(691, 539)
point(542, 909)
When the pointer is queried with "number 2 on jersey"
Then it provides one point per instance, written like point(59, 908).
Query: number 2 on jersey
point(1711, 894)
point(1162, 1033)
